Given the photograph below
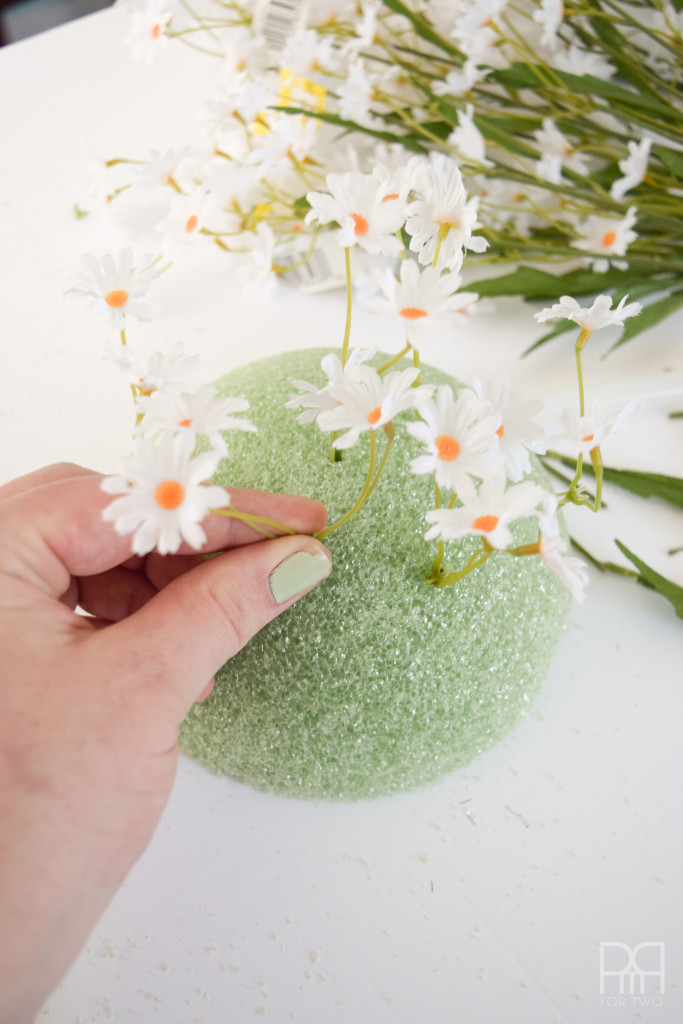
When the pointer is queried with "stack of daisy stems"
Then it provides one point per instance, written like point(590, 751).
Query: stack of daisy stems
point(553, 134)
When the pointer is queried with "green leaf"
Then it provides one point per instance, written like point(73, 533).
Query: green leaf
point(541, 79)
point(539, 284)
point(408, 141)
point(650, 316)
point(672, 159)
point(504, 139)
point(671, 591)
point(646, 485)
point(422, 27)
point(301, 205)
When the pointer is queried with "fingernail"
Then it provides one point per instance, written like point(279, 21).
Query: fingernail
point(297, 573)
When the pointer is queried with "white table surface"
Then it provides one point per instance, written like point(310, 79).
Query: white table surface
point(482, 898)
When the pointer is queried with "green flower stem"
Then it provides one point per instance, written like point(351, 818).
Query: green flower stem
point(370, 480)
point(525, 549)
point(259, 523)
point(360, 501)
point(477, 560)
point(335, 453)
point(349, 301)
point(416, 364)
point(304, 259)
point(443, 231)
point(395, 359)
point(438, 561)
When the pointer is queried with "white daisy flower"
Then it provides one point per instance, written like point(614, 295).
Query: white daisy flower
point(557, 152)
point(633, 167)
point(356, 94)
point(315, 400)
point(607, 236)
point(193, 412)
point(590, 318)
point(147, 30)
point(182, 227)
point(572, 572)
point(580, 434)
point(398, 182)
point(164, 369)
point(549, 16)
point(308, 52)
point(518, 432)
point(364, 400)
point(115, 285)
point(460, 81)
point(468, 140)
point(425, 303)
point(442, 217)
point(356, 202)
point(159, 170)
point(474, 31)
point(288, 139)
point(576, 61)
point(461, 439)
point(487, 512)
point(365, 29)
point(164, 495)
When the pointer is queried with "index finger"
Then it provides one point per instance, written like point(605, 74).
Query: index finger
point(54, 531)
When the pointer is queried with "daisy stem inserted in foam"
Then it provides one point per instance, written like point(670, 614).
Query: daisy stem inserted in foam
point(370, 480)
point(477, 559)
point(259, 523)
point(596, 457)
point(335, 454)
point(438, 561)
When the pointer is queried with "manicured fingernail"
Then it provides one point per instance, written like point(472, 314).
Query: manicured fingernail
point(297, 573)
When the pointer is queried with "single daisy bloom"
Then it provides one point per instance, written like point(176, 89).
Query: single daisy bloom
point(460, 81)
point(556, 152)
point(633, 167)
point(182, 227)
point(606, 237)
point(442, 218)
point(398, 182)
point(115, 285)
point(164, 369)
point(307, 53)
point(147, 30)
point(195, 413)
point(287, 142)
point(487, 512)
point(425, 303)
point(590, 318)
point(550, 16)
point(356, 94)
point(315, 400)
point(461, 439)
point(367, 401)
point(160, 170)
point(164, 498)
point(576, 61)
point(357, 203)
point(468, 140)
point(580, 434)
point(572, 572)
point(518, 431)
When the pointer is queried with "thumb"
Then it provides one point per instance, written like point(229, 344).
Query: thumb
point(184, 634)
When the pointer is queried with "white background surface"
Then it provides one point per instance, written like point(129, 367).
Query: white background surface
point(483, 898)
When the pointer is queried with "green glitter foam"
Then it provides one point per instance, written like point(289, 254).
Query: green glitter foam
point(374, 682)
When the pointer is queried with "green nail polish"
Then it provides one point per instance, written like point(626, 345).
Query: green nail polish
point(297, 573)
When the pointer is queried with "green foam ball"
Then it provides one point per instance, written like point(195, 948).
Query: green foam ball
point(374, 682)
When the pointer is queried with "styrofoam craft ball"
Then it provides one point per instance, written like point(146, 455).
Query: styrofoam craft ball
point(374, 682)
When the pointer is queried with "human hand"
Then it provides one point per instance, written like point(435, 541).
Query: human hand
point(90, 707)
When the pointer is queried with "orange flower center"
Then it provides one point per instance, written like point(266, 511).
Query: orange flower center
point(191, 224)
point(374, 416)
point(390, 195)
point(589, 437)
point(413, 313)
point(361, 225)
point(485, 523)
point(156, 31)
point(608, 239)
point(501, 430)
point(184, 423)
point(447, 448)
point(117, 298)
point(169, 494)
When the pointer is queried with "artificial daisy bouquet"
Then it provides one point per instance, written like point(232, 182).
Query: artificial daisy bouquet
point(389, 148)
